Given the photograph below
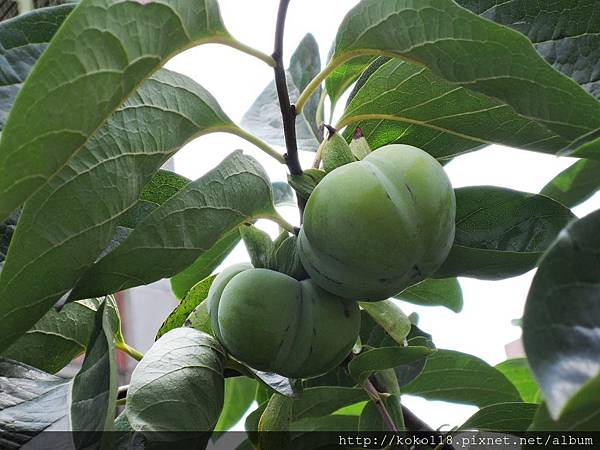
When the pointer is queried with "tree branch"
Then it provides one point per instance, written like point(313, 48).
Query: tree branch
point(288, 111)
point(376, 399)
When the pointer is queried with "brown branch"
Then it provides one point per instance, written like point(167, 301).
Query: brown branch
point(288, 111)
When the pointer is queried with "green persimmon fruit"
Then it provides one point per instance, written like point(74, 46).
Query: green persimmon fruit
point(275, 323)
point(376, 226)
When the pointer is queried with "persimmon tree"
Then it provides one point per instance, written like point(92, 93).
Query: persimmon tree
point(312, 333)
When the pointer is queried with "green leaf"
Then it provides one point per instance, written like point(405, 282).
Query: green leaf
point(580, 413)
point(408, 372)
point(205, 264)
point(378, 359)
point(258, 245)
point(371, 420)
point(500, 232)
point(460, 378)
point(94, 390)
point(32, 401)
point(309, 425)
point(264, 116)
point(22, 41)
point(162, 186)
point(344, 75)
point(491, 59)
point(283, 194)
point(169, 239)
point(435, 292)
point(518, 373)
point(56, 338)
point(562, 317)
point(251, 424)
point(575, 184)
point(304, 184)
point(351, 410)
point(407, 103)
point(180, 314)
point(388, 315)
point(98, 184)
point(178, 385)
point(199, 319)
point(502, 417)
point(306, 434)
point(375, 64)
point(565, 33)
point(97, 58)
point(321, 401)
point(239, 396)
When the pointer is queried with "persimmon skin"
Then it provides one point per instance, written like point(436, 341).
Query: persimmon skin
point(374, 227)
point(275, 323)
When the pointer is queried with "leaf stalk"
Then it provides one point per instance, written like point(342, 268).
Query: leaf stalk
point(124, 347)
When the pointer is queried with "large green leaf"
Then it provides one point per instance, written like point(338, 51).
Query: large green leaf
point(371, 420)
point(575, 184)
point(457, 377)
point(264, 116)
point(519, 374)
point(580, 413)
point(173, 236)
point(382, 358)
point(562, 314)
point(56, 338)
point(239, 395)
point(501, 233)
point(307, 432)
point(178, 385)
point(388, 315)
point(406, 103)
point(162, 186)
point(97, 186)
point(500, 417)
point(97, 58)
point(340, 80)
point(32, 401)
point(22, 41)
point(471, 52)
point(565, 32)
point(320, 401)
point(435, 292)
point(193, 298)
point(408, 372)
point(94, 390)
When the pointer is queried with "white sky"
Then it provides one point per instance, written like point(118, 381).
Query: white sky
point(484, 326)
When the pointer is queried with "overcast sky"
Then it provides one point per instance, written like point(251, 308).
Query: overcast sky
point(235, 79)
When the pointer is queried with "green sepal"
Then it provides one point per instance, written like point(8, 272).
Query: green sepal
point(335, 152)
point(359, 145)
